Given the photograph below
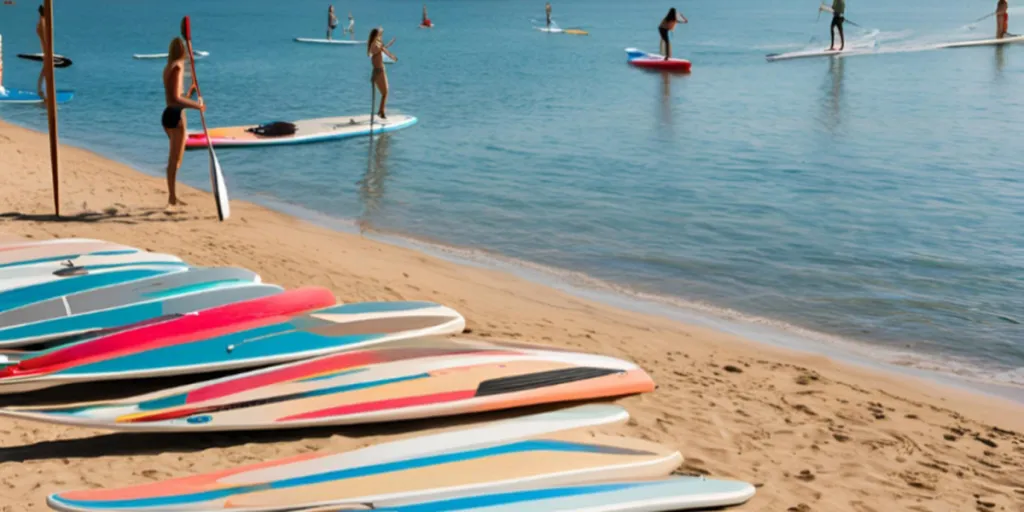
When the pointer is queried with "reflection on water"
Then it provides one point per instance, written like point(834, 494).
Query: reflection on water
point(371, 186)
point(833, 88)
point(1000, 60)
point(666, 125)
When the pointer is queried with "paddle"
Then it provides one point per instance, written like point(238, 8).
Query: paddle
point(216, 176)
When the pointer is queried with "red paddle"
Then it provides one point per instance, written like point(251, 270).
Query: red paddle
point(220, 192)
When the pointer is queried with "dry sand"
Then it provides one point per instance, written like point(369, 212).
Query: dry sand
point(812, 433)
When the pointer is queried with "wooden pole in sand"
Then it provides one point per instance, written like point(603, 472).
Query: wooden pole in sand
point(51, 102)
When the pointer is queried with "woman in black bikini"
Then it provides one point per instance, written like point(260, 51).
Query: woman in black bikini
point(173, 119)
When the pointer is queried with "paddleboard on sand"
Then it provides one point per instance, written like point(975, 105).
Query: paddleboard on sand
point(306, 131)
point(985, 42)
point(645, 60)
point(22, 326)
point(57, 250)
point(143, 56)
point(327, 41)
point(8, 95)
point(318, 333)
point(28, 275)
point(28, 295)
point(401, 380)
point(59, 61)
point(662, 495)
point(542, 449)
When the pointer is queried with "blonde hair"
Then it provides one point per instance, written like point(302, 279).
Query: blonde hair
point(176, 50)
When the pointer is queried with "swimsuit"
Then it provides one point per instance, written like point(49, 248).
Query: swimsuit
point(171, 118)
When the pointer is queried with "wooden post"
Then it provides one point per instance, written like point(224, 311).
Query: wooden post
point(51, 102)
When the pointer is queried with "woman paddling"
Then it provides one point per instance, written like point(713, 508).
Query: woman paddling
point(667, 25)
point(1002, 18)
point(332, 21)
point(376, 49)
point(173, 119)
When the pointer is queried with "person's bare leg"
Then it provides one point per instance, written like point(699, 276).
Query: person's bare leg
point(176, 136)
point(382, 86)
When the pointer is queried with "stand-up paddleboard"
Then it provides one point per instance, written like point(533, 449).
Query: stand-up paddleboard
point(662, 495)
point(641, 59)
point(984, 42)
point(8, 95)
point(62, 250)
point(199, 321)
point(428, 24)
point(308, 130)
point(549, 30)
point(576, 32)
point(26, 296)
point(402, 380)
point(96, 324)
point(21, 326)
point(542, 449)
point(59, 61)
point(28, 275)
point(144, 56)
point(327, 41)
point(318, 333)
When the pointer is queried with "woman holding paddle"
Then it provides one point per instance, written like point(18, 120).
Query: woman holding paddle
point(668, 24)
point(173, 118)
point(376, 49)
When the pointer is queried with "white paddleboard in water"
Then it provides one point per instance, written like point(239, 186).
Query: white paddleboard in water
point(327, 41)
point(1009, 39)
point(198, 55)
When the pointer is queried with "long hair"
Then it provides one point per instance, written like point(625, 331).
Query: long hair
point(176, 50)
point(374, 34)
point(671, 16)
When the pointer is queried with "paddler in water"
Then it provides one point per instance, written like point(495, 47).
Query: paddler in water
point(667, 25)
point(376, 49)
point(173, 119)
point(838, 9)
point(332, 21)
point(426, 19)
point(547, 13)
point(1002, 18)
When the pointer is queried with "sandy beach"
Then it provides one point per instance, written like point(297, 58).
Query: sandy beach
point(813, 434)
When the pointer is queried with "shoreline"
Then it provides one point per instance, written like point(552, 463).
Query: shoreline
point(777, 333)
point(734, 407)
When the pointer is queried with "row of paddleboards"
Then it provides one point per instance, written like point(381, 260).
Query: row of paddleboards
point(866, 50)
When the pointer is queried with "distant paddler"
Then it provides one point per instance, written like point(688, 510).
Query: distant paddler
point(351, 29)
point(426, 19)
point(547, 13)
point(1002, 18)
point(43, 34)
point(332, 21)
point(838, 11)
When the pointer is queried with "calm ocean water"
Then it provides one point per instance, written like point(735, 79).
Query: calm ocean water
point(875, 199)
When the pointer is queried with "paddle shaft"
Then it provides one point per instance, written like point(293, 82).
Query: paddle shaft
point(216, 180)
point(51, 104)
point(195, 80)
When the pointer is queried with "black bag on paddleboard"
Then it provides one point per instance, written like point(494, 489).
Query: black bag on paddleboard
point(275, 129)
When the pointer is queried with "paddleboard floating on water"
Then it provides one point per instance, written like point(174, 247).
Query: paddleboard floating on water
point(984, 42)
point(306, 131)
point(59, 61)
point(402, 380)
point(641, 59)
point(327, 41)
point(554, 448)
point(143, 56)
point(8, 95)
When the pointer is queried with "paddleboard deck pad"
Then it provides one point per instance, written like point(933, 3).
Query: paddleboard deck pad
point(543, 449)
point(393, 381)
point(306, 131)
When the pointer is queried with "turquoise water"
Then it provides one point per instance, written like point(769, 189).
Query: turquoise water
point(875, 199)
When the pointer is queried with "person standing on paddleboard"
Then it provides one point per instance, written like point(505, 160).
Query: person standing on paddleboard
point(376, 49)
point(43, 33)
point(173, 118)
point(426, 20)
point(547, 13)
point(838, 9)
point(1002, 18)
point(332, 21)
point(668, 25)
point(351, 29)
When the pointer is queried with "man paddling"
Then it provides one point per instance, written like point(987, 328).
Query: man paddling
point(1002, 18)
point(547, 13)
point(838, 9)
point(332, 21)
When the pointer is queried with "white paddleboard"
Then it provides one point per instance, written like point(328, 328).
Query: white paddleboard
point(198, 54)
point(552, 30)
point(984, 42)
point(306, 131)
point(327, 41)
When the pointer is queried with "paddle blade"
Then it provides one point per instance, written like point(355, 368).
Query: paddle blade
point(186, 28)
point(220, 189)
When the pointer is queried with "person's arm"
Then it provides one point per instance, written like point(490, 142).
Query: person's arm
point(387, 52)
point(182, 100)
point(825, 8)
point(683, 18)
point(391, 42)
